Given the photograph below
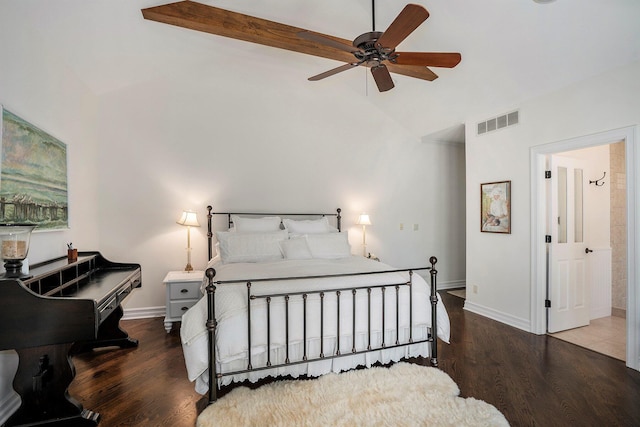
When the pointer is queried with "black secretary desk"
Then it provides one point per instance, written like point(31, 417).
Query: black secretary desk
point(62, 308)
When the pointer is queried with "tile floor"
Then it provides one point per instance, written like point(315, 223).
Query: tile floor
point(607, 335)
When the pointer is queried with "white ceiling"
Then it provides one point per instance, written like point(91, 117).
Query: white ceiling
point(512, 50)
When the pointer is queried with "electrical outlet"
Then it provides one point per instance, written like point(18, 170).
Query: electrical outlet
point(475, 289)
point(401, 226)
point(415, 227)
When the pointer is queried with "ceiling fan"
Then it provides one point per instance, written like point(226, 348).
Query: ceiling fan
point(373, 49)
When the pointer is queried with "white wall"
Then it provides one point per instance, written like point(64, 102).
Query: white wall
point(243, 141)
point(500, 264)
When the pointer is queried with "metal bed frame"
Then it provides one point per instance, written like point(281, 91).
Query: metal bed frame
point(212, 323)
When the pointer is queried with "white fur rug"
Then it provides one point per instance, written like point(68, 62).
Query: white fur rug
point(402, 395)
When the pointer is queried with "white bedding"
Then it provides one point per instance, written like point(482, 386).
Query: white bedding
point(231, 300)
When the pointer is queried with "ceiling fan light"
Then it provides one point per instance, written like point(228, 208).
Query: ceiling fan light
point(544, 1)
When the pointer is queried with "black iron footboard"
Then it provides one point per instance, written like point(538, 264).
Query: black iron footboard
point(268, 298)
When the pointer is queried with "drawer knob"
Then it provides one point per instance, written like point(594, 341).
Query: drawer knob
point(184, 308)
point(184, 291)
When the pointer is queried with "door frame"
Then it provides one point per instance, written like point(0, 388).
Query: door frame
point(538, 229)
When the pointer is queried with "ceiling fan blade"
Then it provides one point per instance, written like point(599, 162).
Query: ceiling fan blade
point(428, 59)
point(408, 20)
point(337, 70)
point(382, 77)
point(322, 39)
point(422, 73)
point(213, 20)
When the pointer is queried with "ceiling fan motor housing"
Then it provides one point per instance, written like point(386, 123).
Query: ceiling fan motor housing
point(370, 51)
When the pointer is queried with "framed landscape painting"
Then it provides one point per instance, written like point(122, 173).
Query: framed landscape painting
point(495, 207)
point(33, 175)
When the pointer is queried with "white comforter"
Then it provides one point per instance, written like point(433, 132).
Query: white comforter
point(231, 301)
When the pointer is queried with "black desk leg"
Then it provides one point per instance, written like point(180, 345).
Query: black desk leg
point(42, 380)
point(109, 335)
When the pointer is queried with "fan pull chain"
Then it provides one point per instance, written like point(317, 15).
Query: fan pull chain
point(366, 81)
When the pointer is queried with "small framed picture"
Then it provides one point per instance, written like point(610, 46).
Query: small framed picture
point(495, 207)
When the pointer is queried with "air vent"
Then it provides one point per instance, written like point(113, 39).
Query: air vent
point(499, 122)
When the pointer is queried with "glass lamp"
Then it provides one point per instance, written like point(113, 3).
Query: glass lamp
point(14, 247)
point(189, 219)
point(364, 220)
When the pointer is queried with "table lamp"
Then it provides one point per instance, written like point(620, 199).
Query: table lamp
point(364, 220)
point(189, 219)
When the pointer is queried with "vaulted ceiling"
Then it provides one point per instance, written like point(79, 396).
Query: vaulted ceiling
point(511, 50)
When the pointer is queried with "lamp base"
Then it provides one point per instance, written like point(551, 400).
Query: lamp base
point(13, 270)
point(188, 267)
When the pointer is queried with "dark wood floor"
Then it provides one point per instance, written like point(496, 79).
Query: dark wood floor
point(537, 380)
point(533, 380)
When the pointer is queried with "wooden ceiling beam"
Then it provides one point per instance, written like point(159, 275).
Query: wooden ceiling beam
point(221, 22)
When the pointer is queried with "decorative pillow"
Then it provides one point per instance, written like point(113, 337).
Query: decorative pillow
point(308, 226)
point(250, 247)
point(296, 248)
point(329, 245)
point(255, 225)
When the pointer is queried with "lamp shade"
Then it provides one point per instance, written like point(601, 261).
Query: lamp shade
point(363, 219)
point(189, 218)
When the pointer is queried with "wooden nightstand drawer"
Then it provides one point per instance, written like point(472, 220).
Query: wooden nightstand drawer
point(178, 308)
point(185, 290)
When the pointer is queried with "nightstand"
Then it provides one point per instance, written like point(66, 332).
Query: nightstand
point(183, 291)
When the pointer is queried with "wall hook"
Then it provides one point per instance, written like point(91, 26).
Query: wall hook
point(597, 181)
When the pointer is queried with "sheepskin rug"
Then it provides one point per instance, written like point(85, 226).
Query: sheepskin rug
point(402, 395)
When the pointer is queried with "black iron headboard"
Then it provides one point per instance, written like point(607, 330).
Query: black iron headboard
point(210, 215)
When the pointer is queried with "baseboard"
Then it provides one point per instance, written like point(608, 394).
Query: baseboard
point(453, 284)
point(619, 312)
point(516, 322)
point(8, 405)
point(143, 313)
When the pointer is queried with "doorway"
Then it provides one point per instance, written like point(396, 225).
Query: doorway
point(587, 225)
point(538, 231)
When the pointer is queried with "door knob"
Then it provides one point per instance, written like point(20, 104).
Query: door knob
point(587, 250)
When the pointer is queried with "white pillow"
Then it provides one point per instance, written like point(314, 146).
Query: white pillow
point(255, 225)
point(250, 247)
point(308, 226)
point(296, 248)
point(330, 245)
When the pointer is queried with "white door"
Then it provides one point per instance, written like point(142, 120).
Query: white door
point(568, 291)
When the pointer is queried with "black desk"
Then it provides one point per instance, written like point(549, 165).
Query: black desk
point(63, 309)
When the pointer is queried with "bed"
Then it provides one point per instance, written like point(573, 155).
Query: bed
point(284, 296)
